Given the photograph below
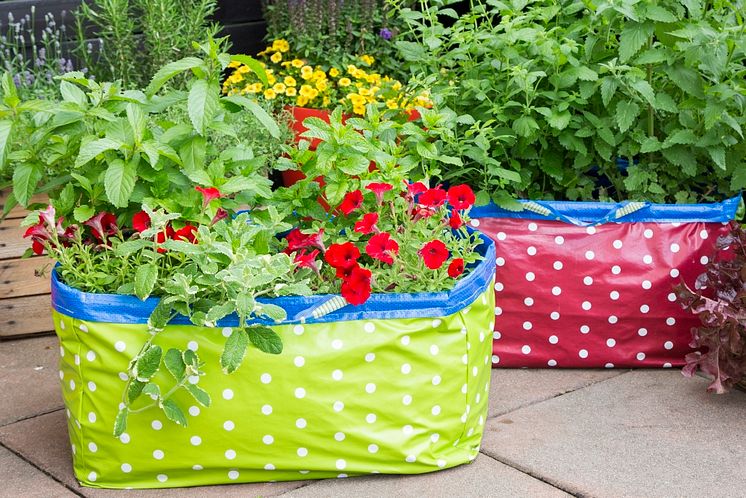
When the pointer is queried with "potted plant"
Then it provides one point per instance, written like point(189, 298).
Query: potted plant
point(389, 300)
point(607, 102)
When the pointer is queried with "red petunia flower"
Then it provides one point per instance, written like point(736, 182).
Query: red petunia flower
point(433, 197)
point(305, 259)
point(351, 202)
point(344, 273)
point(382, 247)
point(219, 215)
point(456, 268)
point(367, 224)
point(461, 197)
point(356, 287)
point(342, 255)
point(434, 253)
point(379, 189)
point(40, 233)
point(102, 225)
point(208, 194)
point(299, 240)
point(188, 233)
point(455, 220)
point(161, 237)
point(421, 212)
point(414, 189)
point(141, 221)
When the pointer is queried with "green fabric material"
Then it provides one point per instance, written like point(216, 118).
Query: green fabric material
point(402, 396)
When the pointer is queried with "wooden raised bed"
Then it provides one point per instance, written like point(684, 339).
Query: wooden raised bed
point(25, 307)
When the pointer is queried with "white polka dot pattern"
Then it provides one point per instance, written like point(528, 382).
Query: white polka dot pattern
point(597, 296)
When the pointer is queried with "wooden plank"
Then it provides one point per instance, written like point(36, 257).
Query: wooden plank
point(17, 277)
point(12, 243)
point(24, 316)
point(19, 211)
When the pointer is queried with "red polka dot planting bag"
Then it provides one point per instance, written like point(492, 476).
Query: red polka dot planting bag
point(587, 284)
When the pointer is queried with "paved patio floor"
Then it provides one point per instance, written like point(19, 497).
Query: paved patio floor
point(643, 433)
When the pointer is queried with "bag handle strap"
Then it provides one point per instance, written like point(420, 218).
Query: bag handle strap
point(616, 213)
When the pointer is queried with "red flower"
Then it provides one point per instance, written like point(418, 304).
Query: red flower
point(356, 287)
point(305, 259)
point(102, 224)
point(208, 194)
point(37, 247)
point(161, 237)
point(219, 215)
point(141, 221)
point(433, 197)
point(40, 233)
point(379, 189)
point(342, 255)
point(414, 189)
point(382, 248)
point(351, 202)
point(299, 240)
point(434, 253)
point(188, 234)
point(344, 273)
point(456, 268)
point(455, 220)
point(367, 224)
point(461, 197)
point(423, 212)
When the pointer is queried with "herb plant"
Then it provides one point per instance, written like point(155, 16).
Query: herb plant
point(106, 149)
point(562, 89)
point(719, 299)
point(137, 37)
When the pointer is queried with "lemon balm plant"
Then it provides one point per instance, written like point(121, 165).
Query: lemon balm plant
point(102, 148)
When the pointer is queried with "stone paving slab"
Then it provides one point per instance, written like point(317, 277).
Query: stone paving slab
point(19, 478)
point(43, 441)
point(484, 477)
point(511, 389)
point(646, 434)
point(30, 382)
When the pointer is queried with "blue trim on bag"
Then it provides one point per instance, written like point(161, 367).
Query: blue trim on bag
point(116, 308)
point(603, 212)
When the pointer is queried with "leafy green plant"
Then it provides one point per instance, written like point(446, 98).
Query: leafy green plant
point(136, 37)
point(105, 149)
point(561, 89)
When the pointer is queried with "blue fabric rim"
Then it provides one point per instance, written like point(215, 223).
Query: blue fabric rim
point(594, 211)
point(116, 308)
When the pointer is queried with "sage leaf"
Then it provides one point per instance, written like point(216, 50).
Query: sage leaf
point(174, 363)
point(152, 390)
point(626, 113)
point(265, 339)
point(26, 177)
point(173, 412)
point(134, 390)
point(203, 103)
point(119, 182)
point(147, 365)
point(120, 423)
point(91, 149)
point(234, 351)
point(198, 394)
point(145, 278)
point(632, 39)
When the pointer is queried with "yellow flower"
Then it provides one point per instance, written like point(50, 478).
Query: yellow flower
point(297, 63)
point(290, 81)
point(367, 59)
point(351, 68)
point(291, 91)
point(345, 82)
point(365, 92)
point(392, 104)
point(356, 99)
point(322, 85)
point(306, 91)
point(271, 78)
point(301, 101)
point(358, 109)
point(334, 72)
point(257, 87)
point(396, 86)
point(269, 94)
point(319, 75)
point(326, 101)
point(313, 94)
point(244, 69)
point(281, 45)
point(279, 87)
point(233, 64)
point(276, 57)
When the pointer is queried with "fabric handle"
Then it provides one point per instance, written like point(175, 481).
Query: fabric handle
point(617, 212)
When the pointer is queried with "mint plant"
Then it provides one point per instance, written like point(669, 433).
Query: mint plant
point(102, 148)
point(562, 89)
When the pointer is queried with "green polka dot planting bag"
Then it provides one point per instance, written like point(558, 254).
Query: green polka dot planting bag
point(397, 385)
